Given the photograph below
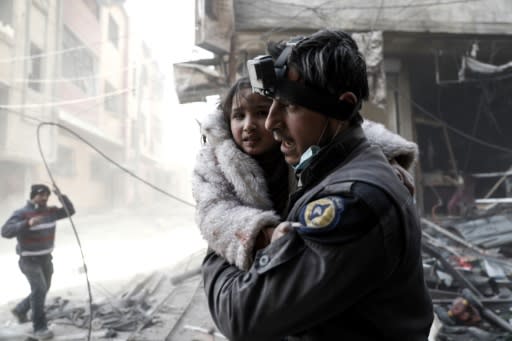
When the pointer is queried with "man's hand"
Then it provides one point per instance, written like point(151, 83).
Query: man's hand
point(281, 229)
point(269, 234)
point(57, 191)
point(35, 220)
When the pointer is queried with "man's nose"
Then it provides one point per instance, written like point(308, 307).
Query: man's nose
point(272, 120)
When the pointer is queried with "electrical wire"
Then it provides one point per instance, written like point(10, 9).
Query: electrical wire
point(453, 129)
point(397, 16)
point(62, 51)
point(267, 34)
point(86, 272)
point(106, 157)
point(449, 82)
point(124, 169)
point(21, 114)
point(92, 76)
point(52, 100)
point(400, 6)
point(8, 108)
point(59, 194)
point(53, 103)
point(272, 4)
point(65, 102)
point(269, 7)
point(473, 132)
point(374, 22)
point(44, 123)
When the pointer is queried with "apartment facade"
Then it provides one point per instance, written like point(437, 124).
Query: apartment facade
point(27, 31)
point(71, 63)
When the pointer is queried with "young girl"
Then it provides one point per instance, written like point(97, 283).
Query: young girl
point(241, 181)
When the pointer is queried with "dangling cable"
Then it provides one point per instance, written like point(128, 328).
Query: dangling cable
point(59, 194)
point(40, 125)
point(114, 162)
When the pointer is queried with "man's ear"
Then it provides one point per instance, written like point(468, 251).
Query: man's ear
point(349, 97)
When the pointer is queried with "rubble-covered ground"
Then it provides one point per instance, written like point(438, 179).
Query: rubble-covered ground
point(135, 259)
point(468, 268)
point(467, 262)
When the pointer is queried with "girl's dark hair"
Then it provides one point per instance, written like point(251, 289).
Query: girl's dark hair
point(227, 103)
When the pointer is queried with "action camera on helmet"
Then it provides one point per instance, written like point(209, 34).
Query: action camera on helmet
point(262, 75)
point(265, 75)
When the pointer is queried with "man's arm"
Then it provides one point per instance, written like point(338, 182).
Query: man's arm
point(301, 279)
point(67, 206)
point(14, 225)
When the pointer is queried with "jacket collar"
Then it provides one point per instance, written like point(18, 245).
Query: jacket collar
point(332, 155)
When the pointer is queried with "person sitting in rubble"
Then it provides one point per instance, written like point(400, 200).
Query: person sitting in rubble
point(462, 201)
point(241, 181)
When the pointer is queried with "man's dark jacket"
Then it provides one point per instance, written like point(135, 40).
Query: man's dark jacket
point(357, 277)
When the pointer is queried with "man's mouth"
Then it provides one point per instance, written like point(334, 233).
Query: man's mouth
point(278, 137)
point(287, 144)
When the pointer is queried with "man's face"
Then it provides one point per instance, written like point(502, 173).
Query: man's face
point(41, 199)
point(296, 127)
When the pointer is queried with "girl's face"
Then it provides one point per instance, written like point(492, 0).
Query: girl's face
point(248, 114)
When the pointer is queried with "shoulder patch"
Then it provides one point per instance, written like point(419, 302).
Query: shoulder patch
point(322, 213)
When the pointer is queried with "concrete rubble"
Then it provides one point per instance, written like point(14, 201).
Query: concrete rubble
point(467, 263)
point(468, 268)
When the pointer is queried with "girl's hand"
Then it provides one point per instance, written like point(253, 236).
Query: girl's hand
point(263, 238)
point(404, 176)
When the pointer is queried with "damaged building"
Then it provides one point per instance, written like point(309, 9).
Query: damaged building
point(440, 74)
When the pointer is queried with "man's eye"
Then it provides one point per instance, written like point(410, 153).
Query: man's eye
point(291, 106)
point(237, 116)
point(283, 103)
point(262, 113)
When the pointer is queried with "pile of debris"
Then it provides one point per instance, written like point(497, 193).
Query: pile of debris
point(150, 308)
point(129, 311)
point(468, 270)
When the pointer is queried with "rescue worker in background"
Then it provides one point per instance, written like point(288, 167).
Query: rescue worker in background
point(34, 228)
point(353, 269)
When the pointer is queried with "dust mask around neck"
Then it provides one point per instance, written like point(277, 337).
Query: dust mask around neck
point(306, 158)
